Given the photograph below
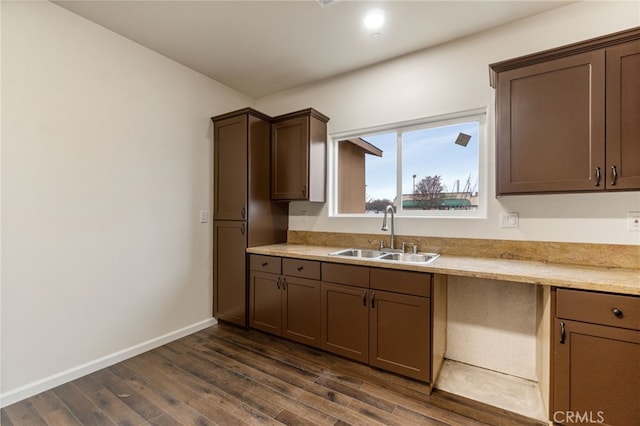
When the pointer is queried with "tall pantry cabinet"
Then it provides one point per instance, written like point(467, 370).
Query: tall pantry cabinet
point(243, 214)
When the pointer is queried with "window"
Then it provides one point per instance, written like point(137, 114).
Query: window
point(428, 167)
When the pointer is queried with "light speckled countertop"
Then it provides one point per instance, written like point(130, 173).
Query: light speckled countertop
point(613, 280)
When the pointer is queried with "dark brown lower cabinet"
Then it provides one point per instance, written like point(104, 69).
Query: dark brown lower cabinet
point(229, 271)
point(301, 310)
point(382, 317)
point(345, 321)
point(400, 334)
point(285, 306)
point(265, 302)
point(400, 322)
point(596, 359)
point(378, 316)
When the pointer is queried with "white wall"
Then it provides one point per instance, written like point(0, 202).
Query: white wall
point(454, 77)
point(106, 162)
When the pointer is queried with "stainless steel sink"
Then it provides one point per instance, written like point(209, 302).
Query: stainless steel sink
point(357, 253)
point(410, 257)
point(387, 256)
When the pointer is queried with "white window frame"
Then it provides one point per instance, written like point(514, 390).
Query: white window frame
point(478, 114)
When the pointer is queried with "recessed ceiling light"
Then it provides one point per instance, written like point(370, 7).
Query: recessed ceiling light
point(374, 19)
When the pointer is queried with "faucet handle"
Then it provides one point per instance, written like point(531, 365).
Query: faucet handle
point(414, 247)
point(381, 244)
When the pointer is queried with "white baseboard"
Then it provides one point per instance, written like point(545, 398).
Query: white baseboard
point(58, 379)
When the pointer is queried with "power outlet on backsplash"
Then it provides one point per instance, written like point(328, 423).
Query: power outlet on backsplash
point(508, 220)
point(633, 221)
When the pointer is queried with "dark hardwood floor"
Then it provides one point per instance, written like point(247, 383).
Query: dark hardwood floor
point(226, 375)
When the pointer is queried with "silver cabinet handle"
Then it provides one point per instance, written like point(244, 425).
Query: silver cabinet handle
point(597, 176)
point(614, 172)
point(562, 333)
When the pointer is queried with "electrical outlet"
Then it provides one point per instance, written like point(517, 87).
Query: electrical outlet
point(508, 220)
point(633, 221)
point(204, 216)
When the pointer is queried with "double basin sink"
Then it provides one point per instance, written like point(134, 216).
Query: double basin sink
point(423, 258)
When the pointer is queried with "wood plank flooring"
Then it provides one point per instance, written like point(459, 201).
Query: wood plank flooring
point(225, 375)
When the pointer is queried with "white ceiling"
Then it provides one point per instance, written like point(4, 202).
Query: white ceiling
point(263, 47)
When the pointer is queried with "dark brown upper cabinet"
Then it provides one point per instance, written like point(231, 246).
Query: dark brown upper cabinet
point(623, 115)
point(230, 166)
point(567, 118)
point(298, 156)
point(241, 176)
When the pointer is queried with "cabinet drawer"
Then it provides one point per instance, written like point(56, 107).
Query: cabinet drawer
point(301, 268)
point(270, 264)
point(599, 308)
point(414, 283)
point(345, 274)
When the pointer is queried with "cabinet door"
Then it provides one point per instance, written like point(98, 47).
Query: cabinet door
point(265, 302)
point(290, 159)
point(623, 112)
point(230, 168)
point(301, 310)
point(229, 271)
point(596, 374)
point(400, 334)
point(345, 321)
point(550, 126)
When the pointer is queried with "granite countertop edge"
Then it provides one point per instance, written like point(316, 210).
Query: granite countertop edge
point(596, 278)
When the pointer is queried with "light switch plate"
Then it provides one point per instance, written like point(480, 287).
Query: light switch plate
point(633, 221)
point(508, 220)
point(204, 216)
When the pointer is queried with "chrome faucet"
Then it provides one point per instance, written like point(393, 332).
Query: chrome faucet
point(384, 225)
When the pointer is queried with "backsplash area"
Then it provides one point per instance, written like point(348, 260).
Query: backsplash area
point(606, 255)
